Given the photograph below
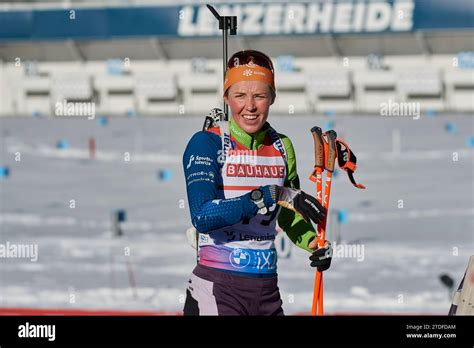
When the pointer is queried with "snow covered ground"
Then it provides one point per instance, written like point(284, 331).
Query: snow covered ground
point(402, 250)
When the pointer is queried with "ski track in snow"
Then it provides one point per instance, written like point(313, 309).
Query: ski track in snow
point(43, 150)
point(36, 220)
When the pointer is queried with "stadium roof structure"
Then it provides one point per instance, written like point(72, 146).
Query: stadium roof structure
point(83, 30)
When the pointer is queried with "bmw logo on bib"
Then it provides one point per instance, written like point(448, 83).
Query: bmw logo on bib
point(239, 258)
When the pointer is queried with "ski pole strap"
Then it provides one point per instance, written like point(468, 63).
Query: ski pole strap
point(347, 161)
point(225, 140)
point(276, 139)
point(326, 148)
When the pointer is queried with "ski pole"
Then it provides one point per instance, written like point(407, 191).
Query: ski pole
point(321, 240)
point(326, 152)
point(322, 162)
point(319, 168)
point(228, 24)
point(329, 166)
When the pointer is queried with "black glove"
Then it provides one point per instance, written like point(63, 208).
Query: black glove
point(321, 258)
point(298, 201)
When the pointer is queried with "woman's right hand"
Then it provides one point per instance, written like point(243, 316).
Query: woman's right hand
point(300, 202)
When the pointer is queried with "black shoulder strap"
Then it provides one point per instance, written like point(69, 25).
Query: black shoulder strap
point(276, 139)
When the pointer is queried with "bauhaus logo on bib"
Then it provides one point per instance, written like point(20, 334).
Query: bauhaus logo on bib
point(259, 171)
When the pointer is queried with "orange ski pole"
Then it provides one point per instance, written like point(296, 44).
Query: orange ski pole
point(322, 162)
point(317, 282)
point(317, 176)
point(322, 239)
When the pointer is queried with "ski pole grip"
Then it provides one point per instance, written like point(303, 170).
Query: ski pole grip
point(331, 135)
point(318, 146)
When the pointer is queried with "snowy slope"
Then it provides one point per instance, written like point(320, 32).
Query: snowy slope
point(80, 264)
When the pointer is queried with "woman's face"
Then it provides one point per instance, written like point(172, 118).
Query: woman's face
point(249, 102)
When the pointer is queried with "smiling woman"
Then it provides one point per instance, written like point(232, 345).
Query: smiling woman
point(249, 102)
point(236, 197)
point(249, 89)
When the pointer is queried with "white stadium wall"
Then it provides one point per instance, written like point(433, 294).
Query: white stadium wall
point(317, 85)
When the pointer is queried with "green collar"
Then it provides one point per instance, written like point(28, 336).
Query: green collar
point(250, 141)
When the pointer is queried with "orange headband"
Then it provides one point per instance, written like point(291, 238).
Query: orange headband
point(248, 72)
